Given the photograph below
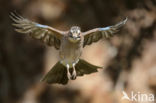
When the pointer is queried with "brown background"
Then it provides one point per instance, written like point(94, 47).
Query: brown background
point(129, 58)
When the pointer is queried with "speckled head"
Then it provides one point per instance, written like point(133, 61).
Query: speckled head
point(75, 30)
point(74, 34)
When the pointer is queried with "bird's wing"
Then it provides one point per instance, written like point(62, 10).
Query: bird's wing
point(96, 34)
point(46, 34)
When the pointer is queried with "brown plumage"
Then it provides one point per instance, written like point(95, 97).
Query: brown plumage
point(70, 45)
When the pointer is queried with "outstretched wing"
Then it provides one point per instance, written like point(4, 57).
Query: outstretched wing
point(46, 34)
point(96, 34)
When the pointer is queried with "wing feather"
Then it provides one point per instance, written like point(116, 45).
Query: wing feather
point(96, 34)
point(46, 34)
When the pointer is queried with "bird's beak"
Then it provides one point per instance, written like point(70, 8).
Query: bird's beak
point(74, 37)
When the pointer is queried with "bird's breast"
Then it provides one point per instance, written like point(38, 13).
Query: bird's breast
point(70, 52)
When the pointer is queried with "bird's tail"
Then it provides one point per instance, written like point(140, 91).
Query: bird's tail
point(58, 74)
point(83, 67)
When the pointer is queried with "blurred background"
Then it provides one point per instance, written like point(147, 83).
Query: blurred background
point(129, 58)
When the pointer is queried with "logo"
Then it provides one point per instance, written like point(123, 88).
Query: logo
point(140, 97)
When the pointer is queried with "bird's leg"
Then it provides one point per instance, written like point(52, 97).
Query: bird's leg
point(74, 72)
point(68, 73)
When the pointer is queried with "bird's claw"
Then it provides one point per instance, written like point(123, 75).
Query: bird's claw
point(68, 75)
point(73, 76)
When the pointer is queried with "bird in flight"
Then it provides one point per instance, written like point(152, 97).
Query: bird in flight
point(70, 45)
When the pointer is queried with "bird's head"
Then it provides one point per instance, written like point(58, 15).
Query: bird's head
point(75, 34)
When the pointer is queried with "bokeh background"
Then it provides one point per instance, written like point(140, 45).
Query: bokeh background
point(129, 58)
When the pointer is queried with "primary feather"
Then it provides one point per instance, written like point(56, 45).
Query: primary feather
point(96, 34)
point(46, 34)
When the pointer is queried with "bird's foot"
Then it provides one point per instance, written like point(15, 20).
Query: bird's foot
point(69, 76)
point(68, 73)
point(73, 76)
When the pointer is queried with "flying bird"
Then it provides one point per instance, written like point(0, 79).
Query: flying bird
point(70, 45)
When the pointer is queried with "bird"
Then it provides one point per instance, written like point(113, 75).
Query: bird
point(70, 45)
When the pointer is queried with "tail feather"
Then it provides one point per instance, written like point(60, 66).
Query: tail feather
point(58, 74)
point(83, 67)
